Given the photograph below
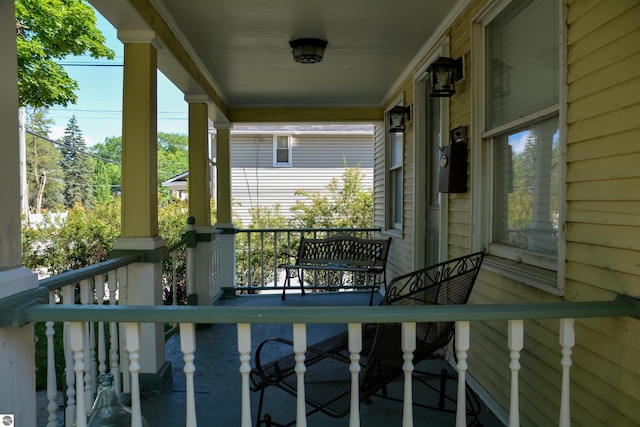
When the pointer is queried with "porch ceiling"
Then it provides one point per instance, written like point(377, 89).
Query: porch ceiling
point(241, 48)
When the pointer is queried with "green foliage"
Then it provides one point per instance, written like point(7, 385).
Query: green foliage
point(349, 204)
point(107, 178)
point(173, 159)
point(77, 166)
point(261, 250)
point(49, 30)
point(85, 237)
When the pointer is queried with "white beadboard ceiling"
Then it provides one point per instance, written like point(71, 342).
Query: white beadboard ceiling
point(243, 46)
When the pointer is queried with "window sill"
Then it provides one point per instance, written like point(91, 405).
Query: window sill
point(539, 278)
point(392, 232)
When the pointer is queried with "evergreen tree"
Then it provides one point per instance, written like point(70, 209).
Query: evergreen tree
point(44, 175)
point(77, 167)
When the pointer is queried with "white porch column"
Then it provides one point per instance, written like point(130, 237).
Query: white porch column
point(227, 248)
point(200, 193)
point(140, 191)
point(17, 350)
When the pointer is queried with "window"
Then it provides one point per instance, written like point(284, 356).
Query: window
point(521, 138)
point(395, 183)
point(282, 150)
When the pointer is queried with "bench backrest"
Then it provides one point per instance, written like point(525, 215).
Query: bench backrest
point(447, 283)
point(352, 251)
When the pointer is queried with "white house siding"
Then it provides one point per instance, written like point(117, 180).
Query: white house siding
point(316, 160)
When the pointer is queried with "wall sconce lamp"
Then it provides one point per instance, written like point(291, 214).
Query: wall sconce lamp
point(308, 51)
point(443, 75)
point(398, 117)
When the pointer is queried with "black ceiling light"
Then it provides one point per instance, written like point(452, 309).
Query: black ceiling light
point(308, 51)
point(443, 74)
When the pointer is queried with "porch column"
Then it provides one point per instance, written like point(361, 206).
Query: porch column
point(227, 246)
point(140, 193)
point(17, 350)
point(200, 195)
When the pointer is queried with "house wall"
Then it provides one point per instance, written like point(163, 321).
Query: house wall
point(602, 225)
point(316, 159)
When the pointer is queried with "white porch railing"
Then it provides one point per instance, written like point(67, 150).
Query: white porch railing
point(77, 317)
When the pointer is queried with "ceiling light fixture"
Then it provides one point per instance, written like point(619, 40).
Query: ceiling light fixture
point(308, 51)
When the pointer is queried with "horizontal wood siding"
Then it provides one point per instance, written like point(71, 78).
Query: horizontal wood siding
point(602, 229)
point(603, 192)
point(316, 160)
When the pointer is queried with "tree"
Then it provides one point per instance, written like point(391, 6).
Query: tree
point(108, 173)
point(44, 175)
point(47, 31)
point(77, 167)
point(349, 204)
point(173, 158)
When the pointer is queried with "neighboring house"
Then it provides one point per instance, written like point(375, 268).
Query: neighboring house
point(268, 164)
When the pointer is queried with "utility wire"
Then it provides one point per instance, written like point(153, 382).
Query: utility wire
point(104, 159)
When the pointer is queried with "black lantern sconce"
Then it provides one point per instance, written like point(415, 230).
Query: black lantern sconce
point(398, 117)
point(443, 75)
point(308, 51)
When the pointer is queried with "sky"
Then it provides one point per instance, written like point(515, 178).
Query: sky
point(99, 106)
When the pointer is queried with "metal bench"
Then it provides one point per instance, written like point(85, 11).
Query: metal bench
point(327, 375)
point(339, 262)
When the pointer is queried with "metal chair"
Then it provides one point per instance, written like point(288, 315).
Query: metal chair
point(327, 376)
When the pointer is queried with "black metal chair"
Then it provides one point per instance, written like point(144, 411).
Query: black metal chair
point(327, 376)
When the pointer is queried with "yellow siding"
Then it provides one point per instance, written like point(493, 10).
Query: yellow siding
point(602, 228)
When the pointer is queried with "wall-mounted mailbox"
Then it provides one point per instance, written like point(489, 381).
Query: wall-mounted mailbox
point(453, 164)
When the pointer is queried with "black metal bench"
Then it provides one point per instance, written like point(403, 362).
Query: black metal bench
point(327, 375)
point(339, 262)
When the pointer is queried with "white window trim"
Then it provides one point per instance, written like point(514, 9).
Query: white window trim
point(420, 157)
point(549, 280)
point(392, 228)
point(289, 162)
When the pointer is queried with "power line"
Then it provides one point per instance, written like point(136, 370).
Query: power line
point(104, 159)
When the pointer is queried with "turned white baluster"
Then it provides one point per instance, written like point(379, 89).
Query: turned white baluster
point(113, 333)
point(52, 386)
point(299, 348)
point(123, 289)
point(516, 343)
point(86, 297)
point(244, 348)
point(132, 332)
point(68, 297)
point(102, 350)
point(408, 347)
point(462, 347)
point(355, 347)
point(188, 348)
point(77, 345)
point(567, 341)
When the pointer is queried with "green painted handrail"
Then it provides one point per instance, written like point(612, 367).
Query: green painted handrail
point(623, 306)
point(74, 276)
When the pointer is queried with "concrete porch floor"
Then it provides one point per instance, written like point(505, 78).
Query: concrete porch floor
point(218, 381)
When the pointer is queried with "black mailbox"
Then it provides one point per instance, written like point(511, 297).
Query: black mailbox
point(453, 164)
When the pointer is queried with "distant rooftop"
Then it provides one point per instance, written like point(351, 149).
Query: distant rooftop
point(308, 128)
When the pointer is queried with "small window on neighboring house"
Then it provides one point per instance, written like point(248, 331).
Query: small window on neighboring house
point(521, 133)
point(395, 182)
point(282, 150)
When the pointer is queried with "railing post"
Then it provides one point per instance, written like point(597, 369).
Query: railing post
point(516, 343)
point(77, 345)
point(355, 347)
point(462, 347)
point(408, 347)
point(188, 348)
point(192, 243)
point(244, 348)
point(567, 341)
point(299, 348)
